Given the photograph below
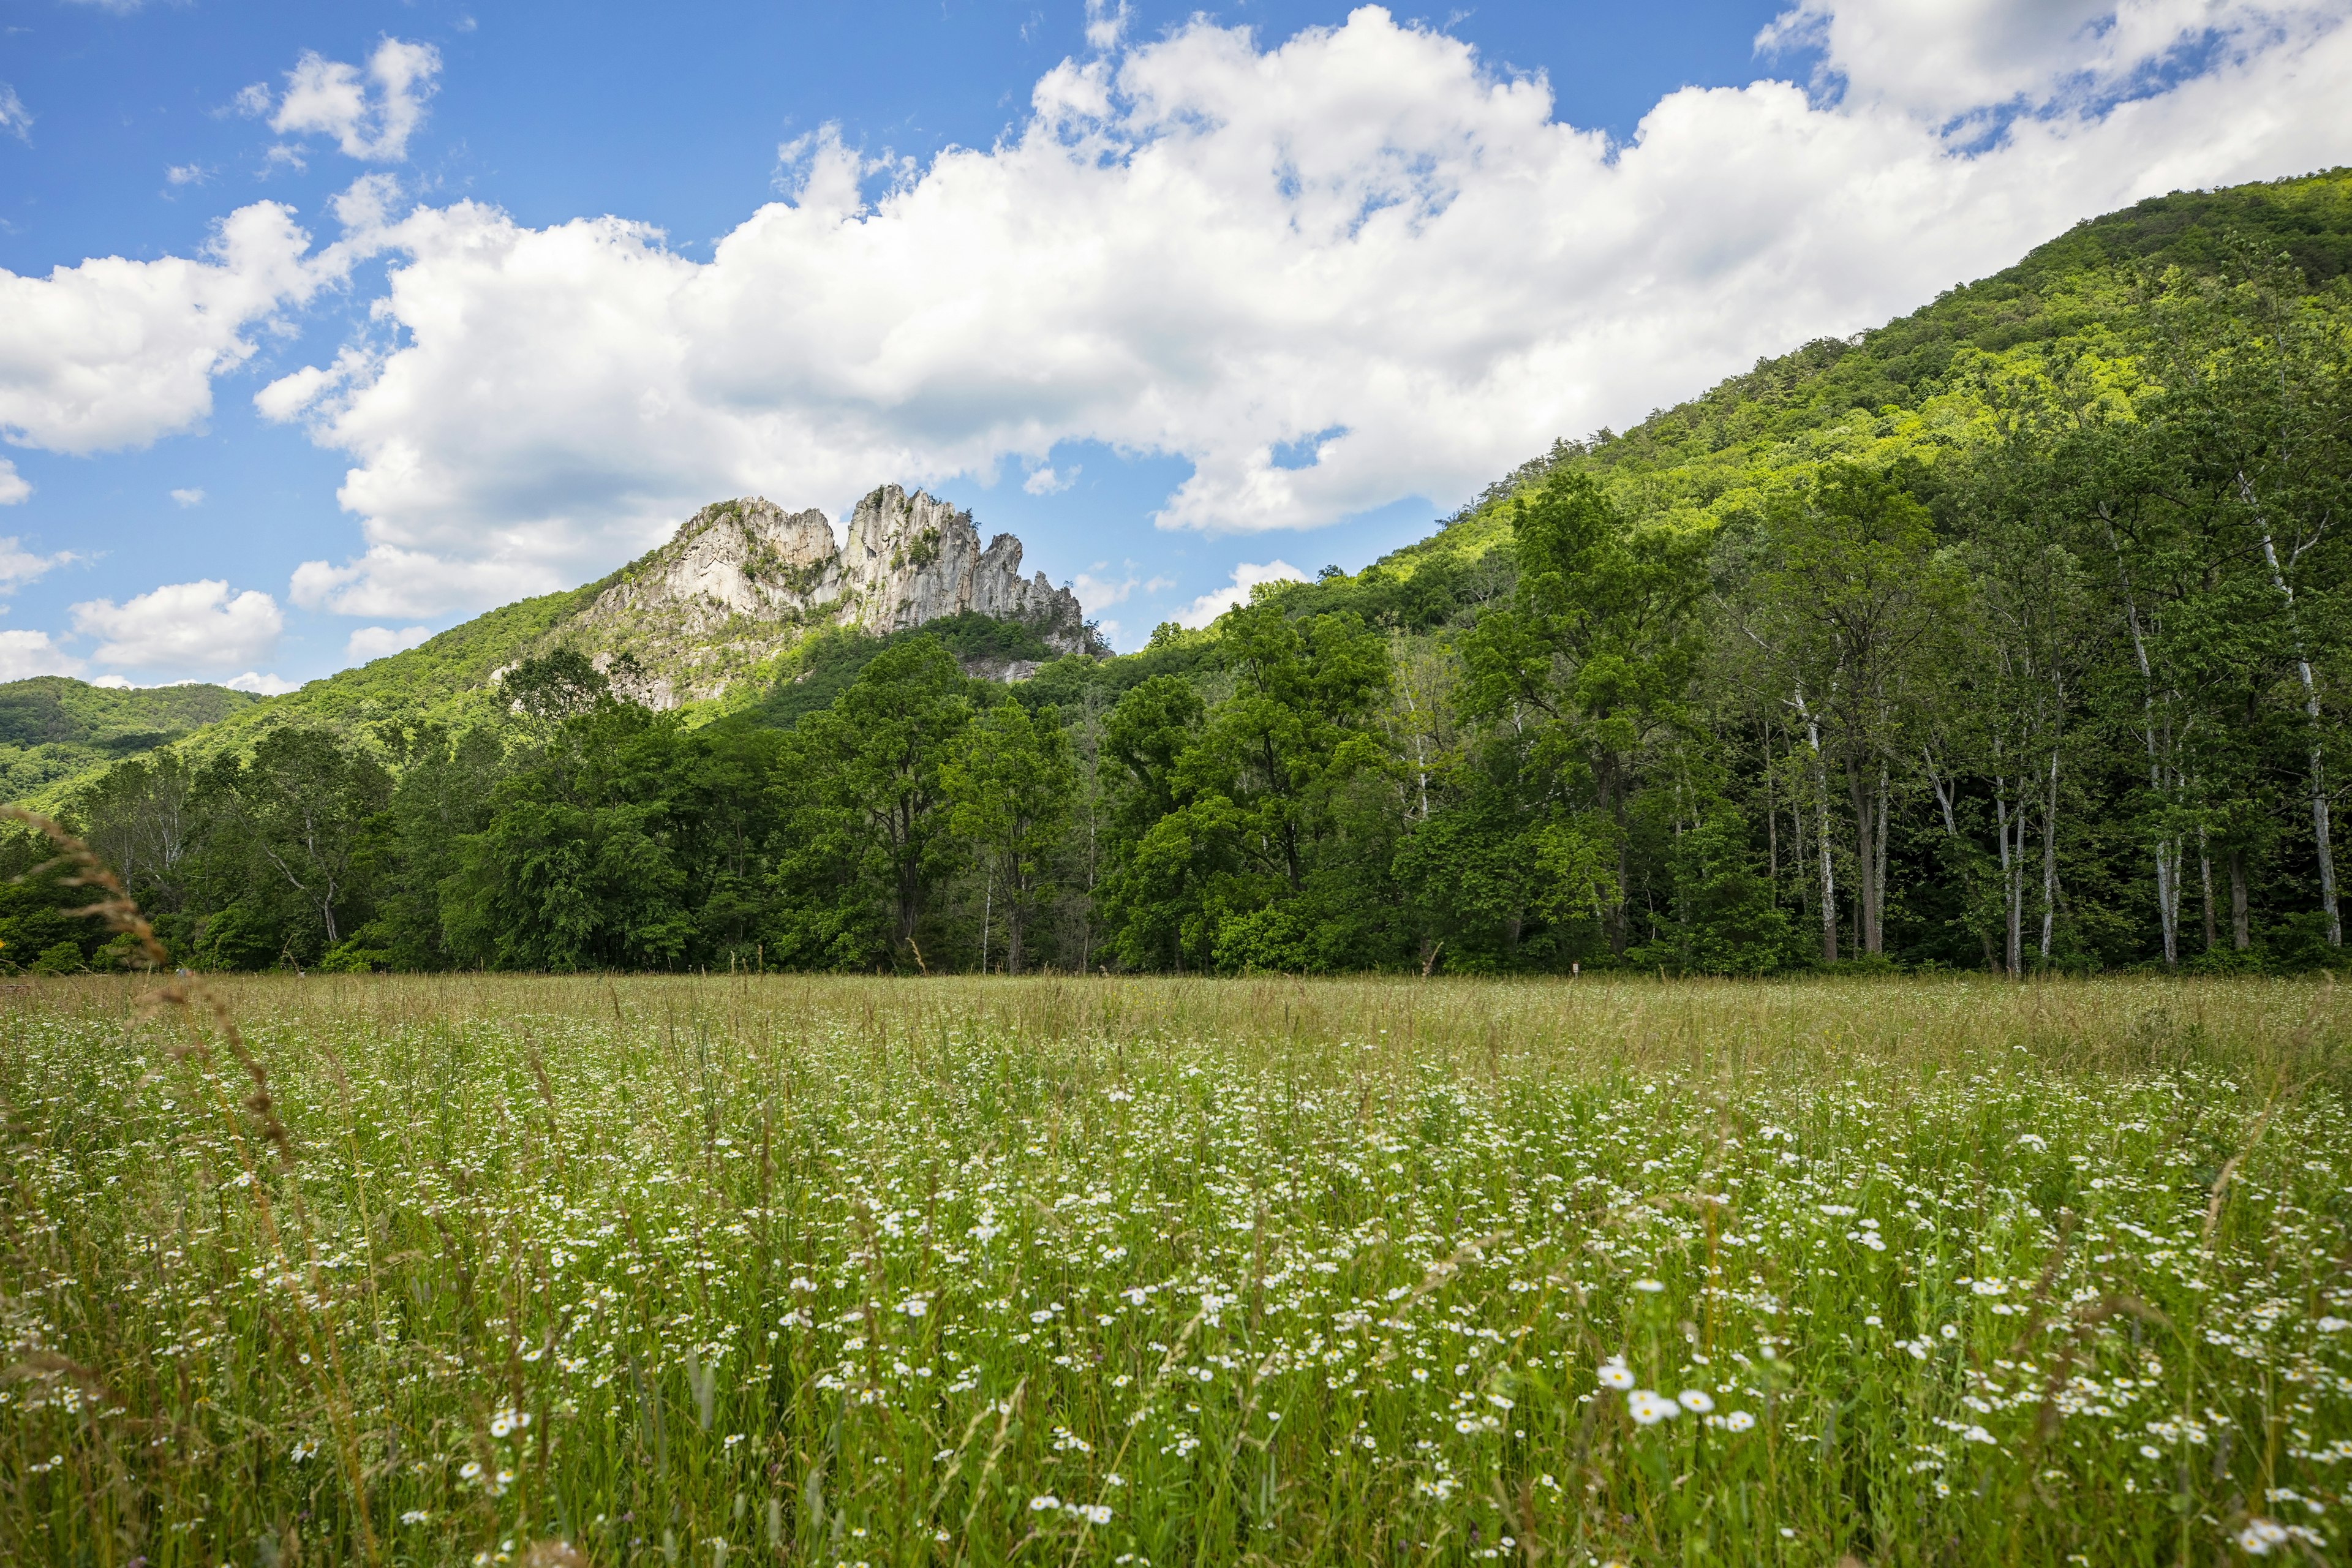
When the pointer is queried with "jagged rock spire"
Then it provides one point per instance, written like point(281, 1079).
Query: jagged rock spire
point(740, 578)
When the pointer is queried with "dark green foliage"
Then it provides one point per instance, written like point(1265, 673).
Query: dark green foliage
point(554, 687)
point(1009, 779)
point(830, 661)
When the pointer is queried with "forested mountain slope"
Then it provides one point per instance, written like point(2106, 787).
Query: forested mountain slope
point(53, 727)
point(2015, 635)
point(1917, 386)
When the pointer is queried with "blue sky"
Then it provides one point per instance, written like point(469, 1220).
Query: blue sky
point(1195, 303)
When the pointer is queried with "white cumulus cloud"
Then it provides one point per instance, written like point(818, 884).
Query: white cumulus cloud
point(193, 496)
point(13, 486)
point(27, 654)
point(371, 114)
point(266, 685)
point(115, 352)
point(1360, 248)
point(1945, 59)
point(183, 627)
point(375, 642)
point(1246, 577)
point(15, 120)
point(19, 565)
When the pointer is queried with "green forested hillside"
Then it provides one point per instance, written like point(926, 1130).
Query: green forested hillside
point(2015, 634)
point(1923, 384)
point(443, 681)
point(53, 727)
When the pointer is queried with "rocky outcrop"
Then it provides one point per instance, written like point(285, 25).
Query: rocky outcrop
point(741, 580)
point(914, 559)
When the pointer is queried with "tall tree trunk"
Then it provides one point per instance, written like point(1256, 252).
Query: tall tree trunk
point(1798, 852)
point(2167, 898)
point(2241, 936)
point(1878, 871)
point(1865, 831)
point(2013, 874)
point(2311, 713)
point(1822, 797)
point(2205, 873)
point(2049, 859)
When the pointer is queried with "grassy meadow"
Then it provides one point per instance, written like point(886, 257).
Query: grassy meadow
point(1063, 1271)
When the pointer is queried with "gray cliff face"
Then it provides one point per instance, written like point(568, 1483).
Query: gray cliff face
point(914, 559)
point(742, 579)
point(733, 558)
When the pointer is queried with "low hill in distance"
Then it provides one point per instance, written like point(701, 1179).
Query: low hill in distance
point(53, 727)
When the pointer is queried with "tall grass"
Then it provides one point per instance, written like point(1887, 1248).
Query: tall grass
point(957, 1271)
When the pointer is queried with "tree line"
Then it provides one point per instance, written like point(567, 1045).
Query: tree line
point(2058, 684)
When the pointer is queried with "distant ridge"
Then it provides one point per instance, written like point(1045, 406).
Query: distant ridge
point(53, 727)
point(1892, 388)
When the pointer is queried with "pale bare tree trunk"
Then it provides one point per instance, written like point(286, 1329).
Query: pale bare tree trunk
point(2166, 899)
point(2311, 712)
point(2241, 936)
point(1943, 794)
point(2050, 859)
point(1796, 850)
point(2013, 874)
point(1822, 798)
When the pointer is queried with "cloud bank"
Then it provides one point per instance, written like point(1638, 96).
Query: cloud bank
point(1246, 577)
point(24, 653)
point(116, 353)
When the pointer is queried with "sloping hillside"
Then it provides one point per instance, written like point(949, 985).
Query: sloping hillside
point(1914, 387)
point(52, 727)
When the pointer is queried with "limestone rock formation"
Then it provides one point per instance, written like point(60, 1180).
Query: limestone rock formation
point(913, 559)
point(741, 580)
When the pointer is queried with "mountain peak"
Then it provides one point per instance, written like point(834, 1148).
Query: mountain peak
point(742, 579)
point(913, 559)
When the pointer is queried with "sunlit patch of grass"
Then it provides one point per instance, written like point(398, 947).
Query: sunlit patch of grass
point(1178, 1271)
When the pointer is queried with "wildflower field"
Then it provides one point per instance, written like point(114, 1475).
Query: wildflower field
point(707, 1271)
